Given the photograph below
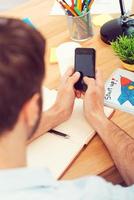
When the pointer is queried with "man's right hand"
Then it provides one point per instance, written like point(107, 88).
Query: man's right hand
point(112, 135)
point(94, 100)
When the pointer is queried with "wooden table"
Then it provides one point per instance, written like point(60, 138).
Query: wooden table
point(94, 159)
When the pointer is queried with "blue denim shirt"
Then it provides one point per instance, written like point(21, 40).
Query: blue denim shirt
point(38, 184)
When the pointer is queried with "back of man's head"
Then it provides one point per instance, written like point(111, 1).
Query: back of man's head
point(22, 51)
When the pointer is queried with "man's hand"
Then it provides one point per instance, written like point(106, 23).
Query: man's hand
point(94, 100)
point(66, 93)
point(112, 135)
point(63, 107)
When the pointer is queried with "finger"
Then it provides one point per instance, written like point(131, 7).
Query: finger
point(82, 95)
point(90, 82)
point(68, 73)
point(78, 94)
point(74, 78)
point(99, 78)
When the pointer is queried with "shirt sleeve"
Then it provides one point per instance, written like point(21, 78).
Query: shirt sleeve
point(94, 188)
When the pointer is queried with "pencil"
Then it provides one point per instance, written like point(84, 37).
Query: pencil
point(79, 5)
point(90, 4)
point(65, 10)
point(62, 5)
point(67, 7)
point(77, 11)
point(75, 4)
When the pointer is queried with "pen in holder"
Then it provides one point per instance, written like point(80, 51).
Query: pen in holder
point(80, 27)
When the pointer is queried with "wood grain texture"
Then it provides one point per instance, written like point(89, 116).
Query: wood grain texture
point(94, 159)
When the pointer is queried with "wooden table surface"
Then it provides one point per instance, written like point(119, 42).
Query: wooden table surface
point(94, 159)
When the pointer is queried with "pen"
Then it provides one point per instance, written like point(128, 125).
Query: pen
point(88, 2)
point(59, 133)
point(83, 4)
point(85, 9)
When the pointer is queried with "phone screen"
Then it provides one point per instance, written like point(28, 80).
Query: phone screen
point(85, 64)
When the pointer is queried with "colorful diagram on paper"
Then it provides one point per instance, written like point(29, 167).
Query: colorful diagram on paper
point(127, 91)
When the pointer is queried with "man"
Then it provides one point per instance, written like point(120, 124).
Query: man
point(21, 74)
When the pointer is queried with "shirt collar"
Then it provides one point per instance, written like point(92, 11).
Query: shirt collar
point(25, 178)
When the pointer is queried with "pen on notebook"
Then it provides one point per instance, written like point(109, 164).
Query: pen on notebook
point(59, 133)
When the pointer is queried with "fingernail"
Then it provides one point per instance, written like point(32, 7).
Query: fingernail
point(77, 73)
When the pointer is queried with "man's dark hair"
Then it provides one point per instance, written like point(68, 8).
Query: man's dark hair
point(22, 68)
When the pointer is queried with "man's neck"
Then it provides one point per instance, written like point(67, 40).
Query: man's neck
point(13, 148)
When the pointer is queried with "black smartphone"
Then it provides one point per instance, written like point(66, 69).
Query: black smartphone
point(85, 64)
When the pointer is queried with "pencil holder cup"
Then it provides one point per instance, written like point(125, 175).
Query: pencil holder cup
point(80, 27)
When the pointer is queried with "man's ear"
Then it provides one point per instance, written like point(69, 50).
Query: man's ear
point(30, 110)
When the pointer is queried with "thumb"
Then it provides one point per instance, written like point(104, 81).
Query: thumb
point(90, 82)
point(74, 78)
point(86, 80)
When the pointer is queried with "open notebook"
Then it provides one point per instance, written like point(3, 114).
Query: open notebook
point(55, 152)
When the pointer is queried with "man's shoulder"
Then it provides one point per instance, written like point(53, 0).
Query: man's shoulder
point(38, 184)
